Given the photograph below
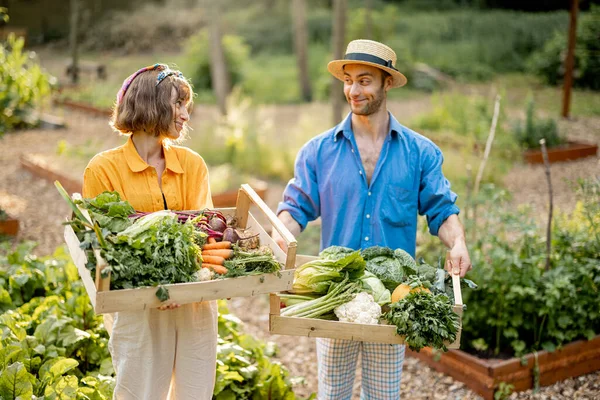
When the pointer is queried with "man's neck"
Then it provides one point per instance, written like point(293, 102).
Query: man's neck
point(374, 126)
point(148, 146)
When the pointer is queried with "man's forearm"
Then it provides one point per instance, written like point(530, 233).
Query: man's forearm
point(451, 232)
point(292, 226)
point(290, 223)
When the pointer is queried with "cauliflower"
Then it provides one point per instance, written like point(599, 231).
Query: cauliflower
point(362, 310)
point(205, 274)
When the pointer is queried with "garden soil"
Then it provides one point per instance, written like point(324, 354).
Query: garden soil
point(41, 211)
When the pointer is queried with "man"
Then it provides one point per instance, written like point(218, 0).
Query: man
point(367, 179)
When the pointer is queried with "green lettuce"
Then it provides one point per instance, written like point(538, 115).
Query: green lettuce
point(316, 276)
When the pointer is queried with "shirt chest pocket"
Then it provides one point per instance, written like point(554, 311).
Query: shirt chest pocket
point(399, 208)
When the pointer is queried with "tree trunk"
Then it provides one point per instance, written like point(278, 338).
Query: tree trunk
point(570, 61)
point(74, 40)
point(301, 46)
point(218, 64)
point(338, 41)
point(368, 19)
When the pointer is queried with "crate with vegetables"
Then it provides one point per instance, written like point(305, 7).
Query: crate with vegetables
point(375, 295)
point(133, 261)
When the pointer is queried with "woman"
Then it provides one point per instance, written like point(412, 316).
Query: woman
point(168, 352)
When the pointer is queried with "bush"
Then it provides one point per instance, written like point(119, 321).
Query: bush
point(520, 306)
point(529, 135)
point(24, 86)
point(548, 63)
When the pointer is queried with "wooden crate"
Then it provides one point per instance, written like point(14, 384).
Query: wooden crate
point(105, 300)
point(311, 327)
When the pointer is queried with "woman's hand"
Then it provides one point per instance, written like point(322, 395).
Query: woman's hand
point(170, 306)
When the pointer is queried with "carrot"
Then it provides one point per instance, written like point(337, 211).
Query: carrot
point(217, 246)
point(213, 259)
point(211, 240)
point(219, 252)
point(219, 269)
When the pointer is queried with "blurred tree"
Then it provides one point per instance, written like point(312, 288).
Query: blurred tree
point(218, 64)
point(541, 6)
point(74, 40)
point(298, 13)
point(368, 19)
point(338, 41)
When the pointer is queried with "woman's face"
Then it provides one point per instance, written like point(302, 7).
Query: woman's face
point(180, 115)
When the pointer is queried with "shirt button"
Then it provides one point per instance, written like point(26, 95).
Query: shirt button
point(352, 150)
point(369, 193)
point(368, 216)
point(360, 172)
point(366, 238)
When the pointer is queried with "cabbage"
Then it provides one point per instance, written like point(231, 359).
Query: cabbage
point(390, 266)
point(372, 285)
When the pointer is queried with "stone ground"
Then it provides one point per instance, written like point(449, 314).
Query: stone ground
point(40, 209)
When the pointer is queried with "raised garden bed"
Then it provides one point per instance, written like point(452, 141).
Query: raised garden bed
point(569, 151)
point(9, 226)
point(44, 168)
point(485, 376)
point(88, 108)
point(39, 166)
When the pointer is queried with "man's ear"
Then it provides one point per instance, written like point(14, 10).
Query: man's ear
point(389, 80)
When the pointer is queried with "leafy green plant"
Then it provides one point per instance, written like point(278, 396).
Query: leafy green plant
point(520, 306)
point(52, 343)
point(548, 62)
point(535, 129)
point(503, 391)
point(23, 85)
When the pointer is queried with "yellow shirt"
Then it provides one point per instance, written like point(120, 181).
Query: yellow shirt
point(184, 181)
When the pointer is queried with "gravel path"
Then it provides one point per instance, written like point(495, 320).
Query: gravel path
point(40, 209)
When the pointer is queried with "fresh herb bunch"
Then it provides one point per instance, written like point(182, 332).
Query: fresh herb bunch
point(424, 319)
point(256, 262)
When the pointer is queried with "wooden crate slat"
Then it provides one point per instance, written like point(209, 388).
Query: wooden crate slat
point(183, 293)
point(80, 260)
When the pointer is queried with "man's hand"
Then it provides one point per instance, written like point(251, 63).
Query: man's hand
point(291, 224)
point(458, 260)
point(452, 234)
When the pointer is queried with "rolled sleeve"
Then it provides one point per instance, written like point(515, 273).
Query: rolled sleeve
point(301, 195)
point(436, 200)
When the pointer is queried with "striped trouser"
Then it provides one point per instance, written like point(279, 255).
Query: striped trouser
point(381, 369)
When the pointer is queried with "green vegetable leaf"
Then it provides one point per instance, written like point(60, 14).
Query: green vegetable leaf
point(16, 382)
point(162, 293)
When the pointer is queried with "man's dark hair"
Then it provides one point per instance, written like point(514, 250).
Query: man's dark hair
point(384, 75)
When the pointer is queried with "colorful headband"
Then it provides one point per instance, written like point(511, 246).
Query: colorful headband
point(164, 72)
point(167, 72)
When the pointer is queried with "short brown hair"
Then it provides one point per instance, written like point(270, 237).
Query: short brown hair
point(148, 107)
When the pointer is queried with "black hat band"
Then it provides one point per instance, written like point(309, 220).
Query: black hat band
point(370, 58)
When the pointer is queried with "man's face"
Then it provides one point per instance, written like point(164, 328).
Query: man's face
point(364, 88)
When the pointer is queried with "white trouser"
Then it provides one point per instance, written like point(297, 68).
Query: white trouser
point(168, 354)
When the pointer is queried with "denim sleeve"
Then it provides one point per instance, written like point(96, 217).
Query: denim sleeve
point(436, 200)
point(301, 195)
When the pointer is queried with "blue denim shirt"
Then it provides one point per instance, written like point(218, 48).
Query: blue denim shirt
point(329, 182)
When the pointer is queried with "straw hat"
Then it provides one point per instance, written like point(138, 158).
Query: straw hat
point(368, 52)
